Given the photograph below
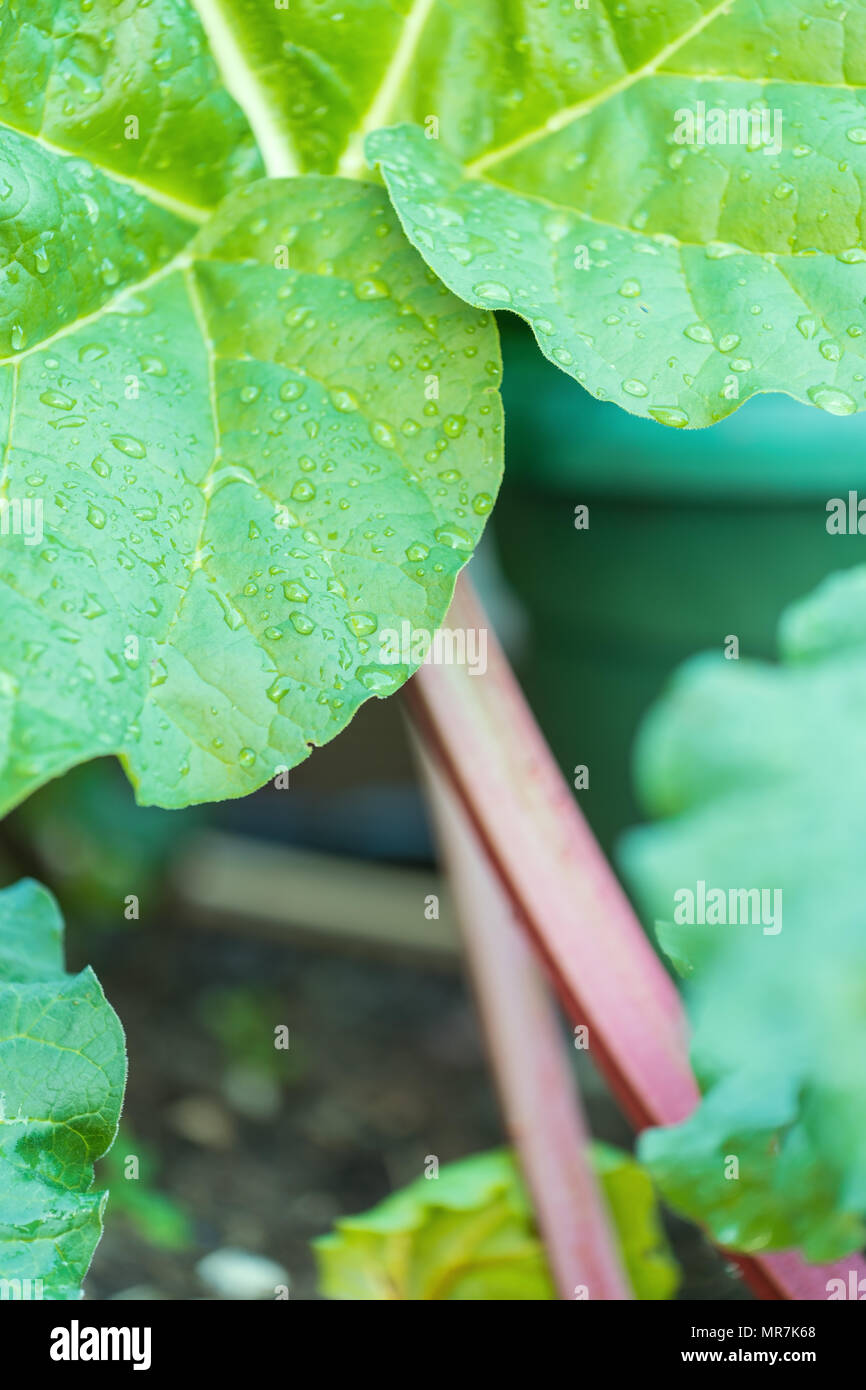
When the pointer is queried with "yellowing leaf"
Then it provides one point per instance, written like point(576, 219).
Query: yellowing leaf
point(468, 1234)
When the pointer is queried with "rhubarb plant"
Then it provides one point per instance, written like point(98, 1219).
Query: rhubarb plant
point(249, 373)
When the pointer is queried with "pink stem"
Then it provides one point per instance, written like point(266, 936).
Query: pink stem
point(536, 1087)
point(487, 744)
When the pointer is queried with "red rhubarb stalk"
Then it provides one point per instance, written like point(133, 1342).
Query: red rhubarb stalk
point(536, 1087)
point(482, 736)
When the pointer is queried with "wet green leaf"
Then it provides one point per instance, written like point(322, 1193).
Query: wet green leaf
point(234, 482)
point(469, 1235)
point(130, 90)
point(62, 1074)
point(316, 76)
point(758, 773)
point(670, 195)
point(235, 461)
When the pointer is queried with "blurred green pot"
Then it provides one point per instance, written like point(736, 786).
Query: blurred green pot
point(693, 536)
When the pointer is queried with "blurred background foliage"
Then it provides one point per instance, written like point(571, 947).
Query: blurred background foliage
point(304, 908)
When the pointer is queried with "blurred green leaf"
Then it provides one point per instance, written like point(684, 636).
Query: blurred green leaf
point(469, 1235)
point(649, 1263)
point(92, 841)
point(157, 1218)
point(243, 1021)
point(758, 771)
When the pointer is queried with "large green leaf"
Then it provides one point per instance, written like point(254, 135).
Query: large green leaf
point(468, 1234)
point(62, 1073)
point(759, 773)
point(283, 441)
point(317, 76)
point(675, 279)
point(131, 88)
point(116, 139)
point(255, 446)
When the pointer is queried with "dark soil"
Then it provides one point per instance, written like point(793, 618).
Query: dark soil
point(385, 1066)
